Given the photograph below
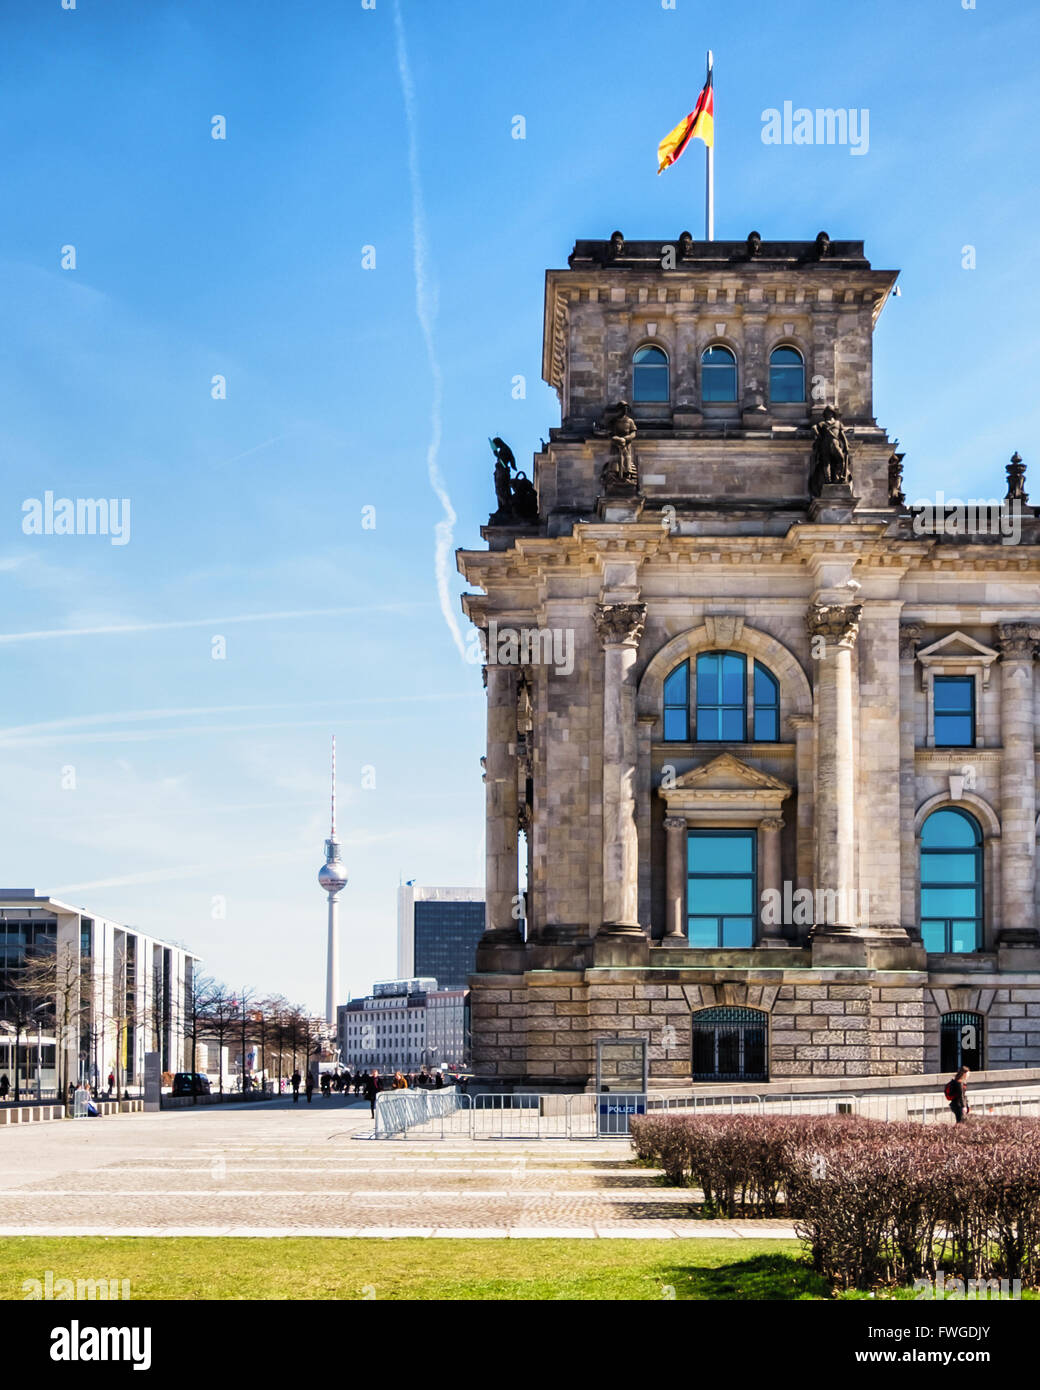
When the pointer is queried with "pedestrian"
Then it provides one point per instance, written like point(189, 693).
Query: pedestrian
point(308, 1085)
point(111, 1082)
point(371, 1083)
point(5, 1086)
point(296, 1088)
point(957, 1094)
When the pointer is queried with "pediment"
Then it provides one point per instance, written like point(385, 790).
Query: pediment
point(729, 773)
point(957, 646)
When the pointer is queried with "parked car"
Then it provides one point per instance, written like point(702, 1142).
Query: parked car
point(190, 1083)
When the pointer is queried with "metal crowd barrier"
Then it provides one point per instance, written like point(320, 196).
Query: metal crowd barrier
point(451, 1114)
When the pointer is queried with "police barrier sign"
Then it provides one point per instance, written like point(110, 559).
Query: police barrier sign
point(614, 1111)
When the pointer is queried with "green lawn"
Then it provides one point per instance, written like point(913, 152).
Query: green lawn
point(318, 1268)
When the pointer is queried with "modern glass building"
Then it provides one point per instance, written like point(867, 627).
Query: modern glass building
point(437, 933)
point(115, 993)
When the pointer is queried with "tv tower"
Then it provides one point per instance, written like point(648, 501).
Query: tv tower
point(333, 877)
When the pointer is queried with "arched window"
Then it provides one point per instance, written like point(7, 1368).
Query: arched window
point(960, 1042)
point(715, 709)
point(677, 705)
point(767, 705)
point(718, 375)
point(729, 1044)
point(786, 376)
point(951, 882)
point(650, 375)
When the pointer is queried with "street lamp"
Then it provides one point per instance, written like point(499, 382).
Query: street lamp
point(39, 1049)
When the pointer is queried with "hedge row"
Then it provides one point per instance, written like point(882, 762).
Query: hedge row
point(877, 1202)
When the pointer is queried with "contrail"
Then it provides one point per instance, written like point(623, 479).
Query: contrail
point(118, 628)
point(426, 309)
point(80, 721)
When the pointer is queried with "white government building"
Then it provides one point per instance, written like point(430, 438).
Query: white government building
point(132, 993)
point(404, 1024)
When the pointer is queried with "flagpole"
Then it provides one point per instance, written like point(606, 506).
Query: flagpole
point(709, 192)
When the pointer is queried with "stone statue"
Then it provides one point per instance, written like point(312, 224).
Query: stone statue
point(754, 244)
point(620, 475)
point(823, 245)
point(896, 497)
point(617, 245)
point(831, 457)
point(516, 497)
point(1016, 477)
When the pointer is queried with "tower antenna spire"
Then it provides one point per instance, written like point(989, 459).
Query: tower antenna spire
point(332, 876)
point(332, 833)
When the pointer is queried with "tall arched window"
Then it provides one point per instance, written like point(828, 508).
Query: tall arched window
point(650, 375)
point(951, 882)
point(715, 706)
point(718, 375)
point(786, 376)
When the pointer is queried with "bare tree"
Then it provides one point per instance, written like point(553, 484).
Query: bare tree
point(194, 1016)
point(56, 977)
point(219, 1021)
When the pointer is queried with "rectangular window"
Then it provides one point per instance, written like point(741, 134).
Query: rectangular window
point(954, 712)
point(721, 892)
point(721, 704)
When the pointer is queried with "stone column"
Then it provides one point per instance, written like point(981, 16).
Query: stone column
point(755, 372)
point(833, 629)
point(1017, 644)
point(500, 777)
point(620, 626)
point(909, 636)
point(675, 878)
point(770, 878)
point(802, 725)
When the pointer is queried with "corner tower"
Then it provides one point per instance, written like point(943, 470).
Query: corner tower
point(704, 708)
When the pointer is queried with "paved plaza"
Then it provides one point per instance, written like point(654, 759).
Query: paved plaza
point(278, 1169)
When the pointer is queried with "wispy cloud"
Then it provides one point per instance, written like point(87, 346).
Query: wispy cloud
point(426, 309)
point(115, 629)
point(76, 724)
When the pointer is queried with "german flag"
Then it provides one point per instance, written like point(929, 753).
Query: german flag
point(699, 124)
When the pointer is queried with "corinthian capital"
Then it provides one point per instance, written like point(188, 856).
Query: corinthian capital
point(620, 624)
point(909, 636)
point(1017, 640)
point(835, 622)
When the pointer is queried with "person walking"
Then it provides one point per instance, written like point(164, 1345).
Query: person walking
point(296, 1088)
point(371, 1085)
point(957, 1094)
point(5, 1086)
point(308, 1085)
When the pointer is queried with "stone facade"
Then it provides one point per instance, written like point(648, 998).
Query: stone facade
point(856, 612)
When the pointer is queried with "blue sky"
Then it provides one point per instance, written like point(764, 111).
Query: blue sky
point(198, 778)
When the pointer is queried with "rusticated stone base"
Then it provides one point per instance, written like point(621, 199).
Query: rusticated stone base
point(540, 1027)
